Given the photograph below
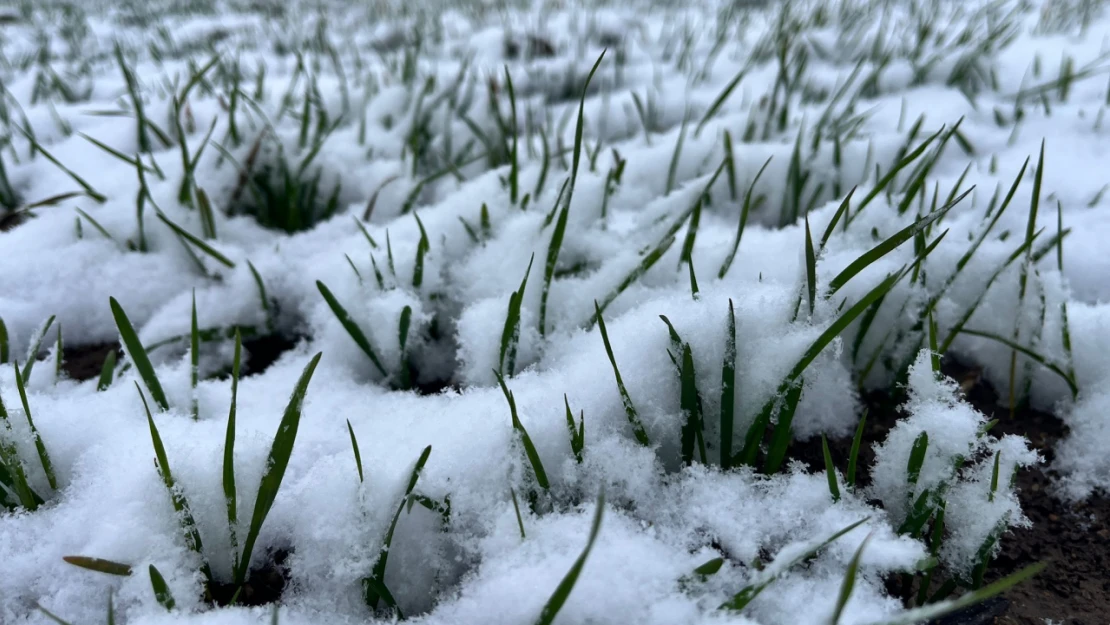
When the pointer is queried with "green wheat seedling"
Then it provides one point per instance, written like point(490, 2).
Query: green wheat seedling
point(33, 350)
point(138, 355)
point(530, 452)
point(510, 335)
point(16, 490)
point(352, 328)
point(629, 408)
point(563, 590)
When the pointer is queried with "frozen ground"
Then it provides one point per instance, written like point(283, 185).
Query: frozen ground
point(831, 187)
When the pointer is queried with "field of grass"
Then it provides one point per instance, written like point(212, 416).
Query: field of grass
point(327, 311)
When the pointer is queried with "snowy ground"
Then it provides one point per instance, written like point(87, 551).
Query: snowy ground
point(830, 186)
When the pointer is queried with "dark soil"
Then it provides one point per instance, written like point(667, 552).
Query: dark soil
point(86, 361)
point(264, 584)
point(1073, 540)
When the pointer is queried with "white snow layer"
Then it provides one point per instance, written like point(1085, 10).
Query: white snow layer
point(454, 259)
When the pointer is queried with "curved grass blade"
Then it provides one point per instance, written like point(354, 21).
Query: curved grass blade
point(161, 590)
point(563, 590)
point(137, 354)
point(744, 211)
point(529, 446)
point(350, 326)
point(629, 408)
point(196, 241)
point(36, 345)
point(932, 611)
point(107, 371)
point(99, 565)
point(40, 447)
point(354, 446)
point(276, 463)
point(510, 335)
point(1039, 358)
point(373, 587)
point(180, 504)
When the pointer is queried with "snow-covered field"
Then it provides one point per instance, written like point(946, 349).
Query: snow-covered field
point(579, 273)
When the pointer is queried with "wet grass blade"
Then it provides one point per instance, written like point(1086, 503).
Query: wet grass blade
point(629, 408)
point(354, 447)
point(40, 447)
point(99, 565)
point(138, 356)
point(351, 327)
point(276, 463)
point(230, 496)
point(180, 504)
point(728, 390)
point(36, 345)
point(161, 591)
point(563, 590)
point(526, 440)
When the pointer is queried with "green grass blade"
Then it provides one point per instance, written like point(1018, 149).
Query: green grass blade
point(276, 463)
point(741, 599)
point(519, 518)
point(262, 295)
point(849, 582)
point(40, 447)
point(4, 347)
point(1039, 358)
point(161, 591)
point(50, 615)
point(744, 211)
point(830, 470)
point(107, 371)
point(629, 408)
point(811, 269)
point(853, 457)
point(374, 586)
point(99, 565)
point(563, 590)
point(230, 496)
point(689, 405)
point(137, 354)
point(552, 259)
point(917, 458)
point(728, 390)
point(526, 440)
point(719, 101)
point(180, 504)
point(9, 460)
point(196, 241)
point(577, 434)
point(89, 190)
point(194, 358)
point(351, 327)
point(935, 610)
point(354, 447)
point(510, 335)
point(36, 345)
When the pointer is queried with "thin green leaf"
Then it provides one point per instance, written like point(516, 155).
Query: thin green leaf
point(849, 583)
point(351, 327)
point(563, 590)
point(99, 565)
point(137, 354)
point(354, 447)
point(161, 590)
point(196, 241)
point(830, 470)
point(107, 371)
point(230, 493)
point(728, 390)
point(629, 408)
point(36, 345)
point(40, 447)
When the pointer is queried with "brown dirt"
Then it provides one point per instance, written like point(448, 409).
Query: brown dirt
point(1073, 540)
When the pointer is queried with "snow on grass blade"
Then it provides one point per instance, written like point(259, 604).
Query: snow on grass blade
point(373, 587)
point(276, 463)
point(33, 350)
point(351, 327)
point(773, 572)
point(99, 565)
point(510, 335)
point(13, 469)
point(526, 440)
point(728, 390)
point(230, 497)
point(935, 610)
point(162, 592)
point(40, 447)
point(137, 354)
point(629, 408)
point(180, 504)
point(563, 590)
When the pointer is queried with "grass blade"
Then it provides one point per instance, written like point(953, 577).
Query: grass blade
point(853, 457)
point(510, 335)
point(563, 590)
point(230, 495)
point(932, 611)
point(107, 370)
point(99, 565)
point(4, 347)
point(744, 211)
point(728, 390)
point(849, 582)
point(526, 440)
point(1039, 358)
point(33, 351)
point(354, 446)
point(138, 356)
point(196, 241)
point(161, 591)
point(350, 326)
point(276, 463)
point(40, 447)
point(629, 407)
point(194, 358)
point(830, 470)
point(690, 407)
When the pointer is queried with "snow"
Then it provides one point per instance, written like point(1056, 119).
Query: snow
point(662, 519)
